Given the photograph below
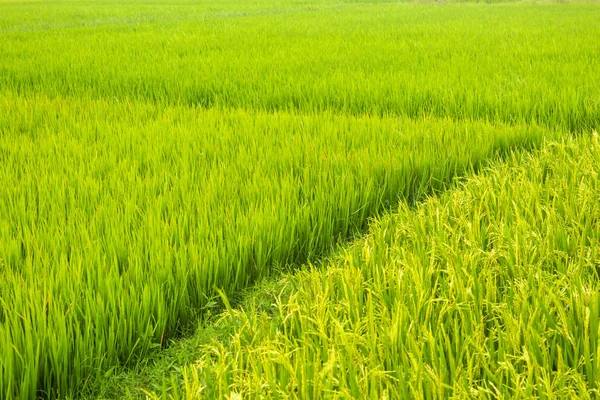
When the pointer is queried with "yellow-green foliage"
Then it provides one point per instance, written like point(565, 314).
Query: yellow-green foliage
point(498, 62)
point(489, 291)
point(119, 219)
point(151, 153)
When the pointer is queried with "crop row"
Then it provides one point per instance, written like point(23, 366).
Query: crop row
point(118, 219)
point(490, 290)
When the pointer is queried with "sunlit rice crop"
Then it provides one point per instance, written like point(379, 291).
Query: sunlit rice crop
point(489, 291)
point(155, 155)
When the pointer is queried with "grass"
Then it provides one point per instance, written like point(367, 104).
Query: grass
point(157, 158)
point(490, 290)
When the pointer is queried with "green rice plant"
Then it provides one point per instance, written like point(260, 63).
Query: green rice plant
point(505, 63)
point(153, 155)
point(118, 219)
point(491, 290)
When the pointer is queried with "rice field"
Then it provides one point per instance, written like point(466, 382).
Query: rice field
point(158, 160)
point(490, 290)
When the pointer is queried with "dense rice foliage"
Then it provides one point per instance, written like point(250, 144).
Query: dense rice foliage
point(151, 154)
point(488, 291)
point(505, 63)
point(118, 220)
